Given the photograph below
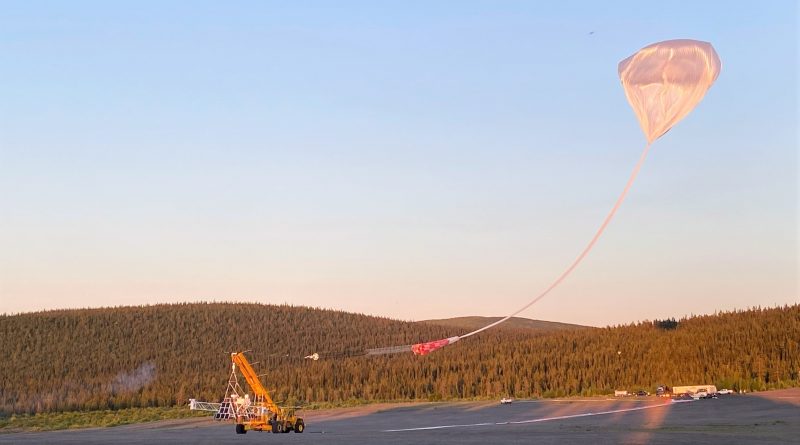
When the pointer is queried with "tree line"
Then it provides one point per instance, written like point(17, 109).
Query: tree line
point(162, 355)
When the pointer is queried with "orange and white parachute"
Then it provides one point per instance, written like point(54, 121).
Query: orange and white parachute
point(428, 347)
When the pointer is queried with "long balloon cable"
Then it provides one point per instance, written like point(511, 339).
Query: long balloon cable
point(583, 253)
point(428, 347)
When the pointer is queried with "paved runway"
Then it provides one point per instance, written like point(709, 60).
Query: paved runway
point(763, 418)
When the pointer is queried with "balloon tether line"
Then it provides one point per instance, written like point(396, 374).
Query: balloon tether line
point(583, 253)
point(425, 348)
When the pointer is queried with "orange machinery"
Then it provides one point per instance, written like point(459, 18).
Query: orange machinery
point(259, 413)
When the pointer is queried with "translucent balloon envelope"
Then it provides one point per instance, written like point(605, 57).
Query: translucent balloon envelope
point(665, 81)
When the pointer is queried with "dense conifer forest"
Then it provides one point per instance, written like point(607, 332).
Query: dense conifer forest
point(162, 355)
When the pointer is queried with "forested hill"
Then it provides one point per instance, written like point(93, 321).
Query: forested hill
point(471, 323)
point(165, 354)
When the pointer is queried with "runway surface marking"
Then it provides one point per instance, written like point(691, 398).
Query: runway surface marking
point(542, 419)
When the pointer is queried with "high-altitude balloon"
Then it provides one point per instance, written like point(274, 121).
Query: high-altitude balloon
point(665, 81)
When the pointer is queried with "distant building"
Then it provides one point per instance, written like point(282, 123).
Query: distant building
point(678, 390)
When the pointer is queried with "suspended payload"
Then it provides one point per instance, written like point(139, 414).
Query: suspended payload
point(665, 81)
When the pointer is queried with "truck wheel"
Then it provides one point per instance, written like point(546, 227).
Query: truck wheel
point(240, 429)
point(299, 426)
point(274, 425)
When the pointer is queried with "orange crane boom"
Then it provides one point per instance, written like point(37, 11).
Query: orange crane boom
point(260, 413)
point(251, 377)
point(268, 416)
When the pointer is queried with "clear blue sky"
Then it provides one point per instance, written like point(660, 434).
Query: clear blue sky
point(420, 160)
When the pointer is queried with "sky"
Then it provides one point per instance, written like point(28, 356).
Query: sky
point(413, 160)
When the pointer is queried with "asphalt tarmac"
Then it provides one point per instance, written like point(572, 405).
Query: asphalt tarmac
point(760, 418)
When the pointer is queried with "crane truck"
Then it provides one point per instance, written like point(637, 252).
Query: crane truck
point(259, 413)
